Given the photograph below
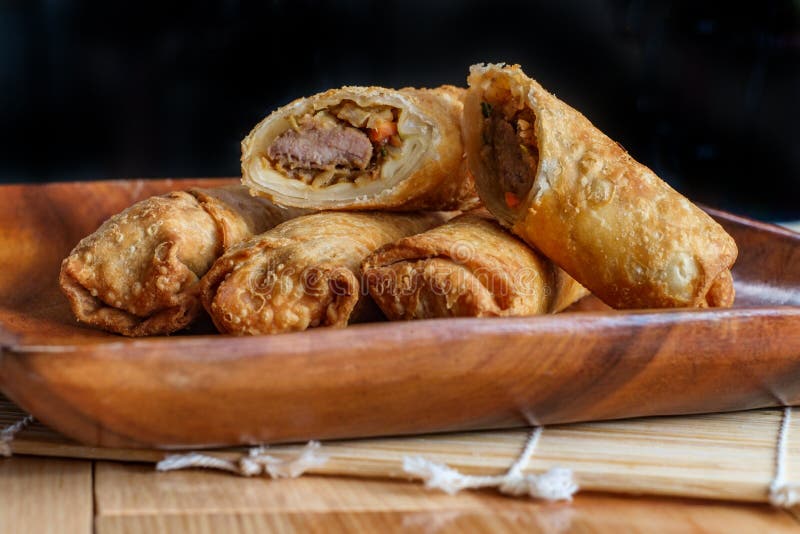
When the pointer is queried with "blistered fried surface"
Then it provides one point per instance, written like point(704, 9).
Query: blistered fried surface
point(468, 267)
point(302, 274)
point(137, 274)
point(608, 220)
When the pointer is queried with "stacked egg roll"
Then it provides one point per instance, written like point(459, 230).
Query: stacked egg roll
point(586, 215)
point(137, 274)
point(303, 273)
point(563, 186)
point(467, 267)
point(363, 148)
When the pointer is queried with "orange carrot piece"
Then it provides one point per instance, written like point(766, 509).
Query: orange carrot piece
point(383, 131)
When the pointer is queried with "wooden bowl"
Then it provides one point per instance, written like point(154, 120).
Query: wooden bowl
point(203, 389)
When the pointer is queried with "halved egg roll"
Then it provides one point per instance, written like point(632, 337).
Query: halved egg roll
point(468, 267)
point(301, 274)
point(137, 274)
point(363, 148)
point(563, 186)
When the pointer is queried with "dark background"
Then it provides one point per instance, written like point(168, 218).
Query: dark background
point(704, 93)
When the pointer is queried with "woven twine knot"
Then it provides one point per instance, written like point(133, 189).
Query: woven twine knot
point(784, 495)
point(556, 484)
point(256, 462)
point(553, 485)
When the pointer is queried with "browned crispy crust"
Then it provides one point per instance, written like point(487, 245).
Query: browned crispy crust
point(137, 274)
point(303, 273)
point(468, 267)
point(438, 181)
point(606, 219)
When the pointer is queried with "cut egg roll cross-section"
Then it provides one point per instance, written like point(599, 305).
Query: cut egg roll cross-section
point(363, 148)
point(577, 196)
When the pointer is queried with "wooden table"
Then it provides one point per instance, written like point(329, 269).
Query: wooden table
point(65, 496)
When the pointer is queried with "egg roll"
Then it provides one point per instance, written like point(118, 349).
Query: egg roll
point(468, 267)
point(363, 148)
point(303, 273)
point(576, 195)
point(137, 274)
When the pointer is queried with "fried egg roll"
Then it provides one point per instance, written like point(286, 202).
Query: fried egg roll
point(363, 148)
point(303, 273)
point(563, 186)
point(468, 267)
point(137, 274)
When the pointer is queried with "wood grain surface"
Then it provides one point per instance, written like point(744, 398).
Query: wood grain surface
point(133, 499)
point(377, 379)
point(718, 456)
point(46, 495)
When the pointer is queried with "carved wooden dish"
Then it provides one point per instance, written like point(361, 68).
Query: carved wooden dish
point(204, 389)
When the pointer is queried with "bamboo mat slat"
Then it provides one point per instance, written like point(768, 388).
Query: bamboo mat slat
point(721, 456)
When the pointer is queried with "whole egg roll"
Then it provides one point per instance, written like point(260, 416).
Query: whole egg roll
point(468, 267)
point(137, 274)
point(563, 186)
point(303, 273)
point(358, 148)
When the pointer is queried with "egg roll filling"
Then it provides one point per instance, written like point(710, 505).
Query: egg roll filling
point(345, 143)
point(509, 146)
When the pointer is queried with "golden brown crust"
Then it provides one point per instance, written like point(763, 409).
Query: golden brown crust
point(302, 274)
point(722, 293)
point(239, 215)
point(137, 274)
point(434, 178)
point(608, 220)
point(468, 267)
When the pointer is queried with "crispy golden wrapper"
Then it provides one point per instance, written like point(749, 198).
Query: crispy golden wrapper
point(322, 152)
point(303, 273)
point(468, 267)
point(563, 186)
point(137, 274)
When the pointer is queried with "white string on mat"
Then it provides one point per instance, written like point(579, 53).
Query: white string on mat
point(556, 484)
point(8, 433)
point(255, 462)
point(782, 493)
point(196, 459)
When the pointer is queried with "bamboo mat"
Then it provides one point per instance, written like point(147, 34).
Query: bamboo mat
point(720, 456)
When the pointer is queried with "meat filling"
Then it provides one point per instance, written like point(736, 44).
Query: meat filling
point(346, 143)
point(511, 152)
point(318, 143)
